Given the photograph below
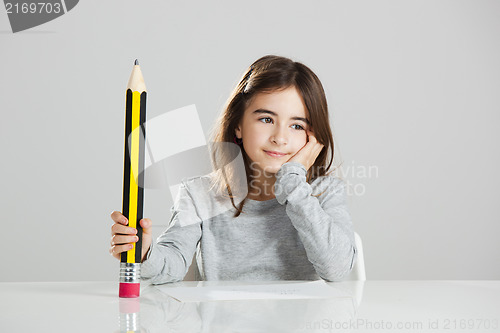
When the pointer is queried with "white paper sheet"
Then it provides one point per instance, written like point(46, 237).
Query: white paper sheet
point(296, 290)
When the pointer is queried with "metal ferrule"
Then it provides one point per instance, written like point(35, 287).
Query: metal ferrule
point(130, 272)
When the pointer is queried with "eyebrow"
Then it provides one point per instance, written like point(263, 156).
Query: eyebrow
point(263, 111)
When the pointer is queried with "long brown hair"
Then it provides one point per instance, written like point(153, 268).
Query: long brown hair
point(267, 74)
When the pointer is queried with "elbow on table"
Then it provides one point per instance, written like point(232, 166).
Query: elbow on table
point(169, 274)
point(339, 272)
point(165, 278)
point(335, 277)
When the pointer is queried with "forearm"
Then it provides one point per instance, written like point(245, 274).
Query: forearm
point(325, 230)
point(168, 260)
point(329, 247)
point(163, 265)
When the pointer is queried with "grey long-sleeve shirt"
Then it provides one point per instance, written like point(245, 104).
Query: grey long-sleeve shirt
point(295, 236)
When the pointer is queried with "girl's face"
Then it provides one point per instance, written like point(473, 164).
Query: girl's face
point(273, 122)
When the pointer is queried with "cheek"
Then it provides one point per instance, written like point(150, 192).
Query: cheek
point(251, 141)
point(300, 141)
point(254, 134)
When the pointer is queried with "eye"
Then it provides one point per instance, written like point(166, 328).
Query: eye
point(265, 120)
point(299, 127)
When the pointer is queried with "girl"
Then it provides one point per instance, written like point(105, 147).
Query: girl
point(287, 219)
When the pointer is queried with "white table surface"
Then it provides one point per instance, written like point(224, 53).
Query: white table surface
point(371, 306)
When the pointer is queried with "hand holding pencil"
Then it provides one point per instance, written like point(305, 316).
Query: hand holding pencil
point(123, 236)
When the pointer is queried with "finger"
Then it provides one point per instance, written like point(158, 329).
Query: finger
point(317, 150)
point(312, 143)
point(117, 256)
point(146, 225)
point(119, 218)
point(121, 229)
point(122, 239)
point(312, 138)
point(117, 249)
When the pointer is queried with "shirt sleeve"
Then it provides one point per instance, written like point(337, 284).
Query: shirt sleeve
point(323, 223)
point(169, 259)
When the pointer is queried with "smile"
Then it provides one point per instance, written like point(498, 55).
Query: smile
point(274, 153)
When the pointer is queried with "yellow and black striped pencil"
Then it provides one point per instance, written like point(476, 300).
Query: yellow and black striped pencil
point(133, 180)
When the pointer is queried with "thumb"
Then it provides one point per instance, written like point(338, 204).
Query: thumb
point(146, 225)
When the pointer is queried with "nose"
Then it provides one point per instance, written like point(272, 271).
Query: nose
point(280, 135)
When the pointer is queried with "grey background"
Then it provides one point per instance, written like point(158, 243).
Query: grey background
point(412, 86)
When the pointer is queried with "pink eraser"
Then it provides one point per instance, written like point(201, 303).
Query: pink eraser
point(129, 290)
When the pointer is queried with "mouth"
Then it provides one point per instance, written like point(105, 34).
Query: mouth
point(274, 153)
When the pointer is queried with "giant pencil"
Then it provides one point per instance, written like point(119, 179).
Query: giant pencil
point(133, 180)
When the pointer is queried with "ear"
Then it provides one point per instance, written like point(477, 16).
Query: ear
point(237, 131)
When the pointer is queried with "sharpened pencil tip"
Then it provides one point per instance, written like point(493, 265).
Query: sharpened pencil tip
point(136, 62)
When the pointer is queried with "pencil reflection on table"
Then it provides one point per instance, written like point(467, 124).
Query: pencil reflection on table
point(161, 313)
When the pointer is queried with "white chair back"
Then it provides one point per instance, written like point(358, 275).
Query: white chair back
point(358, 271)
